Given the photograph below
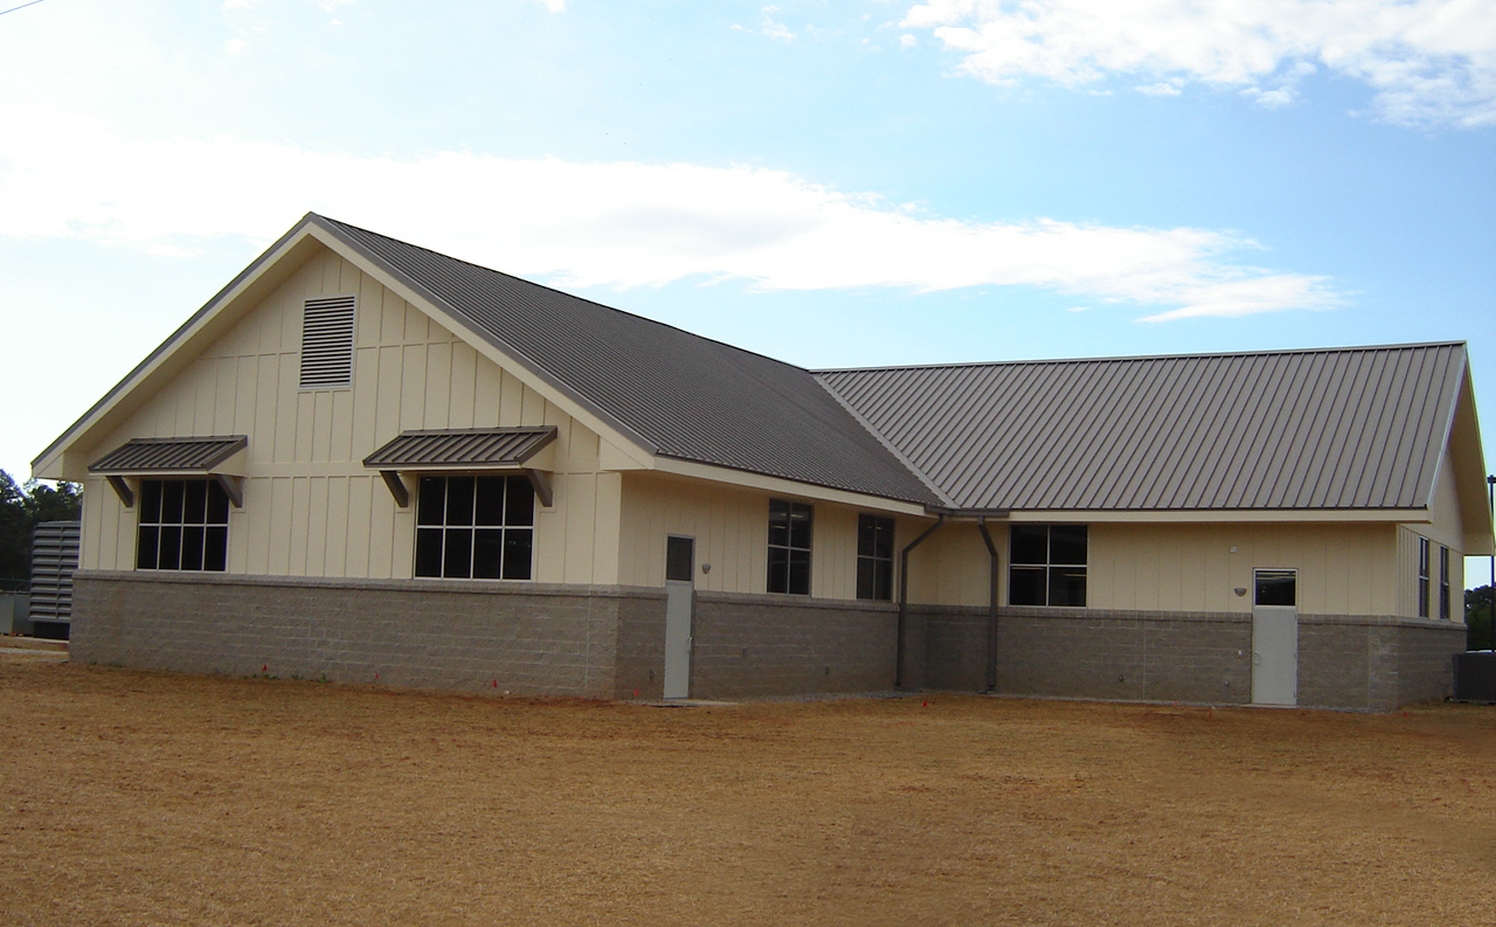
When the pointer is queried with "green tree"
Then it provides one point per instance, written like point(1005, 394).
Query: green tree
point(1478, 618)
point(21, 508)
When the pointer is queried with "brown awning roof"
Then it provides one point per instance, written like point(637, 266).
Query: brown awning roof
point(169, 455)
point(473, 447)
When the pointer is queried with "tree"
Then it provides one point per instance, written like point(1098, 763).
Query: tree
point(1478, 618)
point(21, 508)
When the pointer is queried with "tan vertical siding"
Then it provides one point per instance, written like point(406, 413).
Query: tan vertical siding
point(731, 529)
point(1343, 568)
point(311, 509)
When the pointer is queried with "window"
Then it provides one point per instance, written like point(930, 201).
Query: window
point(680, 559)
point(789, 547)
point(1275, 587)
point(184, 525)
point(1047, 565)
point(475, 527)
point(874, 557)
point(1444, 583)
point(327, 342)
point(1423, 577)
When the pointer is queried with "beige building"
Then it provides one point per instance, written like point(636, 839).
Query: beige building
point(366, 461)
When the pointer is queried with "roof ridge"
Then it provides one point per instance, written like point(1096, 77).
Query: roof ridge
point(1056, 361)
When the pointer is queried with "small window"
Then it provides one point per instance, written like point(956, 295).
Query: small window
point(1276, 587)
point(1047, 565)
point(183, 525)
point(874, 558)
point(680, 557)
point(475, 527)
point(327, 342)
point(789, 547)
point(1444, 583)
point(1423, 577)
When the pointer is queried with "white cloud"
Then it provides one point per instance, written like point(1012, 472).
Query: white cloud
point(1164, 89)
point(1428, 62)
point(615, 224)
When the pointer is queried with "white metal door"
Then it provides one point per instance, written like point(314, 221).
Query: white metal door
point(1275, 638)
point(680, 564)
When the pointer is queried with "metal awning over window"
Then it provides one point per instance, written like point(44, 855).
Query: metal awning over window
point(210, 456)
point(466, 449)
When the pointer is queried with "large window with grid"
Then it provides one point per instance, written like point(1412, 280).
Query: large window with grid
point(789, 547)
point(874, 557)
point(183, 525)
point(1047, 565)
point(475, 527)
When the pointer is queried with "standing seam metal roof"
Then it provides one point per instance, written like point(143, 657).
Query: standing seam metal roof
point(1346, 428)
point(147, 455)
point(487, 447)
point(690, 397)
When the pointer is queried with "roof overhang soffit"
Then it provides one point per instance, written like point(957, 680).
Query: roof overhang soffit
point(672, 466)
point(1467, 457)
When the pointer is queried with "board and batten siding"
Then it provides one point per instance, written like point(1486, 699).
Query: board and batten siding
point(730, 525)
point(1445, 528)
point(310, 507)
point(1344, 568)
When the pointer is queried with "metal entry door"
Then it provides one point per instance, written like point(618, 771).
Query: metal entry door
point(680, 589)
point(1275, 638)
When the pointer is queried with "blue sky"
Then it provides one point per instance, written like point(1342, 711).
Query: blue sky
point(831, 183)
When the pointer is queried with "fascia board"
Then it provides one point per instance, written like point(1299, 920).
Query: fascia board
point(60, 462)
point(1467, 458)
point(449, 317)
point(1227, 516)
point(783, 487)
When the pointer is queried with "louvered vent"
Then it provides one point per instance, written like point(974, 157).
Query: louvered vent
point(327, 342)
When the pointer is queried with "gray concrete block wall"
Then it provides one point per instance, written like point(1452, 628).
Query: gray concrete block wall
point(640, 671)
point(528, 640)
point(747, 645)
point(1089, 654)
point(1375, 663)
point(1363, 663)
point(1425, 669)
point(608, 642)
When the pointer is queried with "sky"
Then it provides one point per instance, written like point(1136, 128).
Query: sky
point(834, 184)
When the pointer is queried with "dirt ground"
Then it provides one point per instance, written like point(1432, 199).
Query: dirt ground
point(143, 798)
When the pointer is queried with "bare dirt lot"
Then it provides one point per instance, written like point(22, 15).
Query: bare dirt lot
point(142, 798)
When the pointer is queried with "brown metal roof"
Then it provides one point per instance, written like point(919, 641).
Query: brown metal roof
point(490, 447)
point(677, 394)
point(1352, 428)
point(157, 455)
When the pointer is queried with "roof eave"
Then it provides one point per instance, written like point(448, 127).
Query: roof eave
point(60, 460)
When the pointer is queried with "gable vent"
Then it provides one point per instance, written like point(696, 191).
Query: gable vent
point(327, 342)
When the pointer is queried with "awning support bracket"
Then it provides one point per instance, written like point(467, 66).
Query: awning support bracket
point(121, 488)
point(542, 483)
point(397, 487)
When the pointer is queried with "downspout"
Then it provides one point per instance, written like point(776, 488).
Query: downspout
point(898, 673)
point(992, 580)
